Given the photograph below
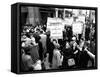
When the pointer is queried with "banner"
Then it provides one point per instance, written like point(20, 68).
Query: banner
point(77, 28)
point(56, 27)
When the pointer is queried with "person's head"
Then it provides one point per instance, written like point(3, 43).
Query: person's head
point(67, 45)
point(32, 30)
point(74, 38)
point(56, 43)
point(57, 46)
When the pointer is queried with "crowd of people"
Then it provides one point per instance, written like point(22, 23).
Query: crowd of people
point(40, 52)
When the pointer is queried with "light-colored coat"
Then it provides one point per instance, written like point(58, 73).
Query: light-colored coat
point(57, 59)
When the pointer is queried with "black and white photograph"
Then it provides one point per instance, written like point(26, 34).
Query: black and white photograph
point(57, 38)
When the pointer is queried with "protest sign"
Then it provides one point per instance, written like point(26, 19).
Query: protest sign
point(77, 27)
point(56, 27)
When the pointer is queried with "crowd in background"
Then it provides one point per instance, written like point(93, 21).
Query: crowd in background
point(40, 52)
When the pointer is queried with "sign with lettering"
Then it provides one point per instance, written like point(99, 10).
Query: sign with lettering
point(77, 27)
point(56, 27)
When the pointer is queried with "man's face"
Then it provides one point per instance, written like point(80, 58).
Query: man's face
point(54, 42)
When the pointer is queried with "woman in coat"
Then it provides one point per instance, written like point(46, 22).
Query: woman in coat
point(57, 57)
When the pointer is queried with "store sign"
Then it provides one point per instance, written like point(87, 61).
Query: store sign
point(56, 27)
point(77, 28)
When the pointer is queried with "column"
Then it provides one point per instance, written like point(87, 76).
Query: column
point(56, 9)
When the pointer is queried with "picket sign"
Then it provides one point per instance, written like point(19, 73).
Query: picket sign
point(56, 27)
point(77, 27)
